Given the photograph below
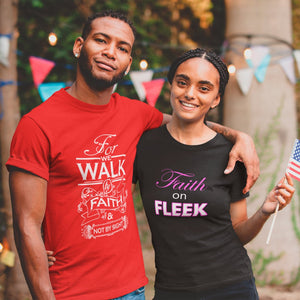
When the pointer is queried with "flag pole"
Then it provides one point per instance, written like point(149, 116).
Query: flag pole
point(293, 169)
point(272, 225)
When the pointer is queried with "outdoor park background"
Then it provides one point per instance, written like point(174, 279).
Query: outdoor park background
point(261, 99)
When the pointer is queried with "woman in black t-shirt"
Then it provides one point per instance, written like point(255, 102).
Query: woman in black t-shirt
point(197, 214)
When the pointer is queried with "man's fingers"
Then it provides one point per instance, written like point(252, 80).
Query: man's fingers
point(231, 164)
point(252, 176)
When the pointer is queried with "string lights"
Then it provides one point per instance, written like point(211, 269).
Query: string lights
point(250, 55)
point(231, 69)
point(143, 64)
point(242, 45)
point(52, 39)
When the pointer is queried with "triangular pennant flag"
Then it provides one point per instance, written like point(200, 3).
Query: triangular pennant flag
point(40, 68)
point(296, 54)
point(4, 50)
point(244, 78)
point(47, 89)
point(258, 53)
point(287, 64)
point(137, 78)
point(261, 70)
point(153, 89)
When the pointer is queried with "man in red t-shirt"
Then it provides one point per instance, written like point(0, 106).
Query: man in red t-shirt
point(70, 173)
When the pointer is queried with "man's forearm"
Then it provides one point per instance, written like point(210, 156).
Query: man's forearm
point(227, 132)
point(34, 264)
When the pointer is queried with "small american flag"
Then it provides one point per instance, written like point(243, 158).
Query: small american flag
point(293, 167)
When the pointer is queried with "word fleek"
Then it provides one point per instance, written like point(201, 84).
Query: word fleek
point(179, 209)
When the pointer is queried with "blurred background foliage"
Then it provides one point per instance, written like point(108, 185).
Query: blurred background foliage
point(164, 30)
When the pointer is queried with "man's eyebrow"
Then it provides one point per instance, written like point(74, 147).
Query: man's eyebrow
point(183, 76)
point(108, 37)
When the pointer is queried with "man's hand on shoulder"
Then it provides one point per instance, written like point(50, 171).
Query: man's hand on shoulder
point(244, 151)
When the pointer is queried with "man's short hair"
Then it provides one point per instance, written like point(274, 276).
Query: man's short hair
point(106, 13)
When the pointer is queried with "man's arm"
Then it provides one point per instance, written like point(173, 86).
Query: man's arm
point(166, 119)
point(243, 150)
point(28, 195)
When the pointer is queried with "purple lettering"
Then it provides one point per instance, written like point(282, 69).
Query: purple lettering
point(176, 180)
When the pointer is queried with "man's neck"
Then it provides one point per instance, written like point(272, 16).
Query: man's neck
point(84, 93)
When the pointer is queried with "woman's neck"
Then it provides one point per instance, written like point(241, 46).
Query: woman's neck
point(190, 133)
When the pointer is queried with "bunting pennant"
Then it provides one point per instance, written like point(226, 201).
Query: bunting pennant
point(296, 54)
point(47, 89)
point(153, 89)
point(244, 78)
point(137, 78)
point(261, 70)
point(287, 64)
point(258, 54)
point(4, 50)
point(40, 68)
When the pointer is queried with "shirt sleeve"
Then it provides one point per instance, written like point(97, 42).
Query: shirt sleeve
point(239, 181)
point(30, 149)
point(154, 117)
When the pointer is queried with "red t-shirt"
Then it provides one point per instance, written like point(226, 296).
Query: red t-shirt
point(86, 154)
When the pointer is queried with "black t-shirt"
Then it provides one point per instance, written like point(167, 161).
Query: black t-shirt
point(187, 198)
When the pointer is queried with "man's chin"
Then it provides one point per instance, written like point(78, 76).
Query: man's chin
point(100, 85)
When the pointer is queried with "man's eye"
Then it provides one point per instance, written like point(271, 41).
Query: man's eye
point(100, 40)
point(123, 49)
point(181, 83)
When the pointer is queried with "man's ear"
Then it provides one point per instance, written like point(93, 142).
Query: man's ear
point(77, 46)
point(128, 67)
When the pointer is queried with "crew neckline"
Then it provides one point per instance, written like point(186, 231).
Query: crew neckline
point(87, 106)
point(190, 147)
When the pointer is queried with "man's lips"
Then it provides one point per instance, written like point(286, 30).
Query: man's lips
point(105, 66)
point(188, 104)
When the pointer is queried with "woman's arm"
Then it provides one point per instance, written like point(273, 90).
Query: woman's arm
point(243, 150)
point(247, 228)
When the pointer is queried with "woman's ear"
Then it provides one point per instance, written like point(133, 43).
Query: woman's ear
point(216, 102)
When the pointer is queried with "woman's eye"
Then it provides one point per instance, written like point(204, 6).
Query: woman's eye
point(204, 89)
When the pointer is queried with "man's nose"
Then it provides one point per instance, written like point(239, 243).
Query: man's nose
point(110, 51)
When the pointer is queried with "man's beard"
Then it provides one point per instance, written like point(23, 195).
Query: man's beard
point(96, 84)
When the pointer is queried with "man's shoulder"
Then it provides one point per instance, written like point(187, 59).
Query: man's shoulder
point(47, 107)
point(130, 101)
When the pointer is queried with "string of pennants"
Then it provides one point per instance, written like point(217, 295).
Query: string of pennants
point(149, 89)
point(146, 88)
point(259, 62)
